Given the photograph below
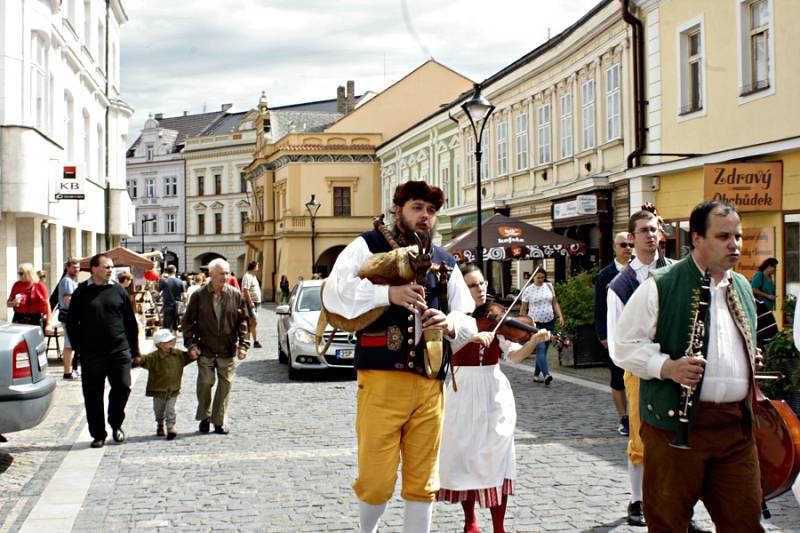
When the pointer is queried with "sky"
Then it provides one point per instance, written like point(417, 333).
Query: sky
point(195, 56)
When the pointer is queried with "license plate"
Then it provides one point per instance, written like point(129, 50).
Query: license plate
point(344, 354)
point(42, 361)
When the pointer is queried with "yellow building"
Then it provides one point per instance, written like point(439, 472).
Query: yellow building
point(722, 79)
point(337, 167)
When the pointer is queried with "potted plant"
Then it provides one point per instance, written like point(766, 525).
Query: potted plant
point(781, 355)
point(576, 298)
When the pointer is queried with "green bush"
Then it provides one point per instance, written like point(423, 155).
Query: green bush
point(781, 355)
point(576, 298)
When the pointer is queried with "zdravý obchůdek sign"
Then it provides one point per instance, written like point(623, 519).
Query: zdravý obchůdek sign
point(748, 186)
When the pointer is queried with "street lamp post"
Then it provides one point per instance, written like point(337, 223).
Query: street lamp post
point(478, 110)
point(145, 220)
point(313, 206)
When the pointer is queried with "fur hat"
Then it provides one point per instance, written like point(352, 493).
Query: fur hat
point(418, 190)
point(162, 335)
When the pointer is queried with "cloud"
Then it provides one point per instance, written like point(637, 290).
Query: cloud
point(190, 57)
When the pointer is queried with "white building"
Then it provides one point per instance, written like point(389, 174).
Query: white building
point(60, 106)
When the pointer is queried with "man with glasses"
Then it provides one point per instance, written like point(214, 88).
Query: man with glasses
point(623, 247)
point(102, 328)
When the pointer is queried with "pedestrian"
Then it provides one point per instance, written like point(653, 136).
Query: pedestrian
point(232, 281)
point(172, 293)
point(29, 299)
point(477, 459)
point(763, 282)
point(251, 290)
point(215, 329)
point(42, 276)
point(398, 406)
point(539, 302)
point(284, 286)
point(66, 287)
point(623, 247)
point(299, 281)
point(165, 374)
point(102, 327)
point(643, 228)
point(651, 339)
point(125, 279)
point(198, 280)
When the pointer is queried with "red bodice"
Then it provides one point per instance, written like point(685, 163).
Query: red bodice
point(469, 355)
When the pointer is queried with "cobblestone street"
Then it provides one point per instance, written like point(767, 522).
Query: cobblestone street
point(289, 460)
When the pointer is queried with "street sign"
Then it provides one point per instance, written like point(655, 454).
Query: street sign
point(69, 187)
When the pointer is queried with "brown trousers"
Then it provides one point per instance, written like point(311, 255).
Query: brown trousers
point(721, 468)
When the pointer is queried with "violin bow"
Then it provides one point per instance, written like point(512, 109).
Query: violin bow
point(500, 322)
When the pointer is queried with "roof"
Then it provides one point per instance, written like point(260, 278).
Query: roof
point(186, 126)
point(325, 106)
point(226, 124)
point(304, 121)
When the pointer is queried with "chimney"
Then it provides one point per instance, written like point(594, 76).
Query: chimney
point(351, 95)
point(225, 107)
point(185, 113)
point(340, 103)
point(158, 116)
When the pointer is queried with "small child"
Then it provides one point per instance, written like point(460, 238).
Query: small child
point(165, 366)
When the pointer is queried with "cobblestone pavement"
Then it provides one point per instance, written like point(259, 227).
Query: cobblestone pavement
point(289, 460)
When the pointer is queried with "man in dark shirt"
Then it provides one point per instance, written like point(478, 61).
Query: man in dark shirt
point(103, 329)
point(172, 291)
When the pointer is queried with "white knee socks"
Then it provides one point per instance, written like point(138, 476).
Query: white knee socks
point(636, 473)
point(370, 515)
point(417, 517)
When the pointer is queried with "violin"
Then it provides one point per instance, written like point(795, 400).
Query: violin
point(518, 329)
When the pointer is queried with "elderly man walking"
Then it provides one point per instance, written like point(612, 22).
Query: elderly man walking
point(215, 330)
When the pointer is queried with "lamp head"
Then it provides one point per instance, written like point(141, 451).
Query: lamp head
point(313, 205)
point(477, 107)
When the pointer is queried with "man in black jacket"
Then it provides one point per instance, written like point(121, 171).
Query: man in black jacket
point(102, 327)
point(623, 247)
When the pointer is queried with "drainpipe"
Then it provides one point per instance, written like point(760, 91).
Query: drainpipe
point(640, 130)
point(274, 240)
point(107, 177)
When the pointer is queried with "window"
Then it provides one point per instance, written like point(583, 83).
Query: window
point(39, 101)
point(566, 125)
point(242, 182)
point(171, 221)
point(485, 156)
point(149, 227)
point(341, 201)
point(148, 149)
point(587, 114)
point(170, 186)
point(101, 162)
point(502, 148)
point(543, 129)
point(470, 148)
point(242, 220)
point(132, 190)
point(154, 225)
point(87, 144)
point(218, 223)
point(87, 23)
point(69, 125)
point(201, 224)
point(521, 136)
point(613, 129)
point(792, 253)
point(756, 44)
point(691, 69)
point(101, 39)
point(150, 188)
point(201, 185)
point(217, 183)
point(444, 180)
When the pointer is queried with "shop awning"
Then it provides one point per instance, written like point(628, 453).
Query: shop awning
point(122, 257)
point(506, 238)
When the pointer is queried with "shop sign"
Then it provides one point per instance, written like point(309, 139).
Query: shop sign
point(69, 187)
point(587, 204)
point(583, 204)
point(758, 244)
point(748, 186)
point(565, 210)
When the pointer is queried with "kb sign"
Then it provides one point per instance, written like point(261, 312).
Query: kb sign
point(69, 187)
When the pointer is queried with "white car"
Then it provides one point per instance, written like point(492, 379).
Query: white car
point(297, 324)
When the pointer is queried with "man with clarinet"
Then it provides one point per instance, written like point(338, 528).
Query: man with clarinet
point(696, 364)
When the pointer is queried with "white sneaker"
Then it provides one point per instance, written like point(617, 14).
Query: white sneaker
point(538, 379)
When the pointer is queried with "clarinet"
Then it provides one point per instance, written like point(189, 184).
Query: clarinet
point(700, 303)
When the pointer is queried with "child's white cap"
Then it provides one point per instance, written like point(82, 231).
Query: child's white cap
point(163, 335)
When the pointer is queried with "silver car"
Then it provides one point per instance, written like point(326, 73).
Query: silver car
point(26, 391)
point(297, 325)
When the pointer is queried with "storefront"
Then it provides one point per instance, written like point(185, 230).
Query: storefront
point(588, 218)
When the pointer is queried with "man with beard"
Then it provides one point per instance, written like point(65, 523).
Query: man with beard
point(399, 407)
point(650, 340)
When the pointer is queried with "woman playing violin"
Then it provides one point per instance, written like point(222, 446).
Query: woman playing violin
point(476, 460)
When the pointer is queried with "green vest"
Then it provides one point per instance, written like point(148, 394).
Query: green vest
point(677, 284)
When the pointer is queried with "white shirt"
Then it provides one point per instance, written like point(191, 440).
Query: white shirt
point(620, 266)
point(350, 296)
point(469, 328)
point(540, 302)
point(614, 305)
point(796, 332)
point(727, 370)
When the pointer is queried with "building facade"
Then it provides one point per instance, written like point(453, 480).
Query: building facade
point(561, 127)
point(60, 106)
point(722, 123)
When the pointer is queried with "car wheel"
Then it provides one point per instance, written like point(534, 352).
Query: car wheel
point(294, 373)
point(282, 359)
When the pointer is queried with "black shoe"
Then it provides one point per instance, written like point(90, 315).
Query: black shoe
point(98, 443)
point(205, 426)
point(624, 427)
point(118, 435)
point(160, 430)
point(68, 376)
point(636, 514)
point(548, 379)
point(220, 430)
point(257, 344)
point(694, 528)
point(171, 434)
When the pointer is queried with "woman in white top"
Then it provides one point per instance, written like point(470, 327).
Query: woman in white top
point(540, 303)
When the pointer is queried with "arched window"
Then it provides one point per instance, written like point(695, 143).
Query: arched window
point(101, 164)
point(87, 144)
point(39, 103)
point(69, 125)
